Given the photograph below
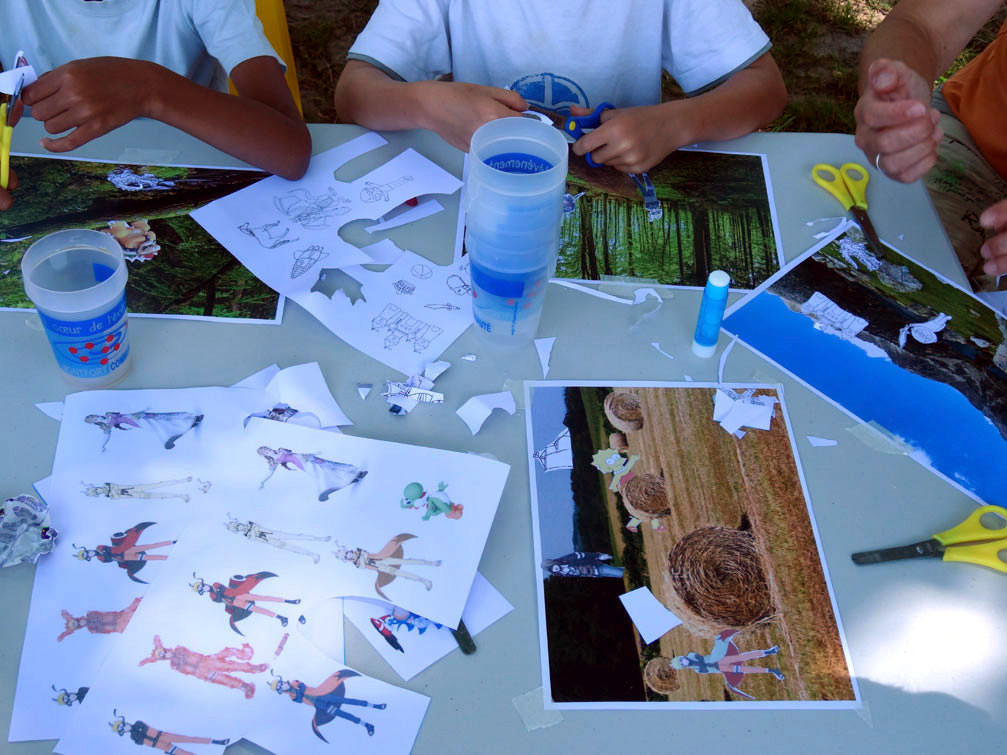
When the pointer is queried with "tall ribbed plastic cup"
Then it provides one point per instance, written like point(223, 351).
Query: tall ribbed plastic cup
point(514, 210)
point(77, 281)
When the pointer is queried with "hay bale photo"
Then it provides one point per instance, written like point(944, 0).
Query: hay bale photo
point(617, 442)
point(660, 676)
point(718, 581)
point(645, 497)
point(623, 411)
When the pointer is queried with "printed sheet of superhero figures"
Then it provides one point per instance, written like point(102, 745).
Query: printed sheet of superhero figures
point(202, 526)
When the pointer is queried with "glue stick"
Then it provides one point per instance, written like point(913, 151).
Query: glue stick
point(711, 312)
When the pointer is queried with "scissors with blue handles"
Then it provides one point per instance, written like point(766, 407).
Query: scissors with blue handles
point(848, 184)
point(575, 126)
point(980, 539)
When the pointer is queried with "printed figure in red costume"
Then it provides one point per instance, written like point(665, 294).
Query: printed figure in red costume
point(145, 735)
point(725, 658)
point(124, 551)
point(99, 622)
point(327, 699)
point(239, 600)
point(210, 668)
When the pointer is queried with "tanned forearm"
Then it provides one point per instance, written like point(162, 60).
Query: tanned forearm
point(368, 96)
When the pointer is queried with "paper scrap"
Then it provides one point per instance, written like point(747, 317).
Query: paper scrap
point(817, 442)
point(424, 209)
point(657, 346)
point(435, 369)
point(544, 348)
point(650, 617)
point(531, 707)
point(19, 76)
point(385, 252)
point(591, 291)
point(723, 359)
point(25, 531)
point(259, 380)
point(688, 378)
point(734, 411)
point(302, 396)
point(364, 389)
point(475, 411)
point(468, 357)
point(51, 409)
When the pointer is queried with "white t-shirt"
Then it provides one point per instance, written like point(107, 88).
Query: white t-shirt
point(556, 53)
point(202, 40)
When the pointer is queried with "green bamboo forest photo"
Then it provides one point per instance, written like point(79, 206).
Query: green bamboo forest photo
point(715, 215)
point(175, 267)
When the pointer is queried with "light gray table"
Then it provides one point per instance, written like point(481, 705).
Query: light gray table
point(926, 638)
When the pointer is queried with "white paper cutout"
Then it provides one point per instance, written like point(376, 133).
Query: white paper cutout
point(364, 389)
point(469, 357)
point(423, 209)
point(544, 348)
point(556, 455)
point(817, 442)
point(734, 411)
point(657, 346)
point(650, 617)
point(51, 409)
point(304, 389)
point(17, 77)
point(477, 409)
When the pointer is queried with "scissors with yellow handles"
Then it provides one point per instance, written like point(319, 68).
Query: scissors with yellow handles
point(6, 132)
point(848, 184)
point(981, 539)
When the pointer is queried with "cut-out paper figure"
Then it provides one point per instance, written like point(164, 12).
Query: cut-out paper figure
point(373, 192)
point(582, 564)
point(458, 285)
point(125, 179)
point(924, 332)
point(403, 327)
point(306, 259)
point(169, 426)
point(124, 551)
point(143, 490)
point(570, 202)
point(66, 698)
point(329, 475)
point(433, 504)
point(269, 235)
point(401, 618)
point(327, 699)
point(404, 287)
point(856, 253)
point(610, 460)
point(277, 538)
point(286, 413)
point(239, 600)
point(210, 668)
point(146, 735)
point(725, 658)
point(312, 211)
point(138, 242)
point(388, 562)
point(99, 622)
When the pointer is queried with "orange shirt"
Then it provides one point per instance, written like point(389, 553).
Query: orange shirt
point(977, 95)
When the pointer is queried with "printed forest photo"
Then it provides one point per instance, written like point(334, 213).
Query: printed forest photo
point(710, 211)
point(639, 487)
point(175, 267)
point(896, 346)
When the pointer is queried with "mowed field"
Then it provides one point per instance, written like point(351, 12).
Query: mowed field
point(714, 479)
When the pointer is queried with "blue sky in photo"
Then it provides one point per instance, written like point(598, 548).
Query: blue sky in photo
point(957, 438)
point(555, 496)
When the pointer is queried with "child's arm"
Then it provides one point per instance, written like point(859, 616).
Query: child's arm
point(368, 96)
point(635, 139)
point(93, 96)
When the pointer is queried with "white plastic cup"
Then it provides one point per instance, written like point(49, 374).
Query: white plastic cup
point(77, 281)
point(514, 211)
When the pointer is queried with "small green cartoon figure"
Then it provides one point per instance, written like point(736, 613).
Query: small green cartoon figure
point(610, 460)
point(415, 497)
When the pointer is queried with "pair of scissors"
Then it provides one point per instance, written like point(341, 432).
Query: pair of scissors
point(7, 128)
point(848, 184)
point(980, 539)
point(575, 126)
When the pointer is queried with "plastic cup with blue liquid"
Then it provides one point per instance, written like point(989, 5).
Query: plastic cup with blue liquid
point(514, 211)
point(77, 281)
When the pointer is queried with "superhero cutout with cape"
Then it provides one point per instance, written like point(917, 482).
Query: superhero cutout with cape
point(124, 551)
point(327, 699)
point(397, 618)
point(144, 734)
point(725, 658)
point(239, 600)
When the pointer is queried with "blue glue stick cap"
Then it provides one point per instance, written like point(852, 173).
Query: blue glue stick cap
point(711, 313)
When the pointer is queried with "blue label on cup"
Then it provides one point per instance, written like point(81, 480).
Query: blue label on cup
point(518, 162)
point(89, 349)
point(501, 301)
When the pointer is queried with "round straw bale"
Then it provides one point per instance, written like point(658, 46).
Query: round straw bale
point(660, 676)
point(617, 442)
point(623, 411)
point(645, 497)
point(718, 581)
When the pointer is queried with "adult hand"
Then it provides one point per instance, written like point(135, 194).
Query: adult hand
point(90, 97)
point(896, 127)
point(455, 109)
point(994, 251)
point(629, 139)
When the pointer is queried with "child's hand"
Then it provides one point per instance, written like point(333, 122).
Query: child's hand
point(896, 128)
point(6, 200)
point(629, 139)
point(91, 96)
point(455, 109)
point(995, 249)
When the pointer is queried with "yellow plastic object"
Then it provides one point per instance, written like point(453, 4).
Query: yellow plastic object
point(986, 523)
point(274, 24)
point(5, 136)
point(847, 184)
